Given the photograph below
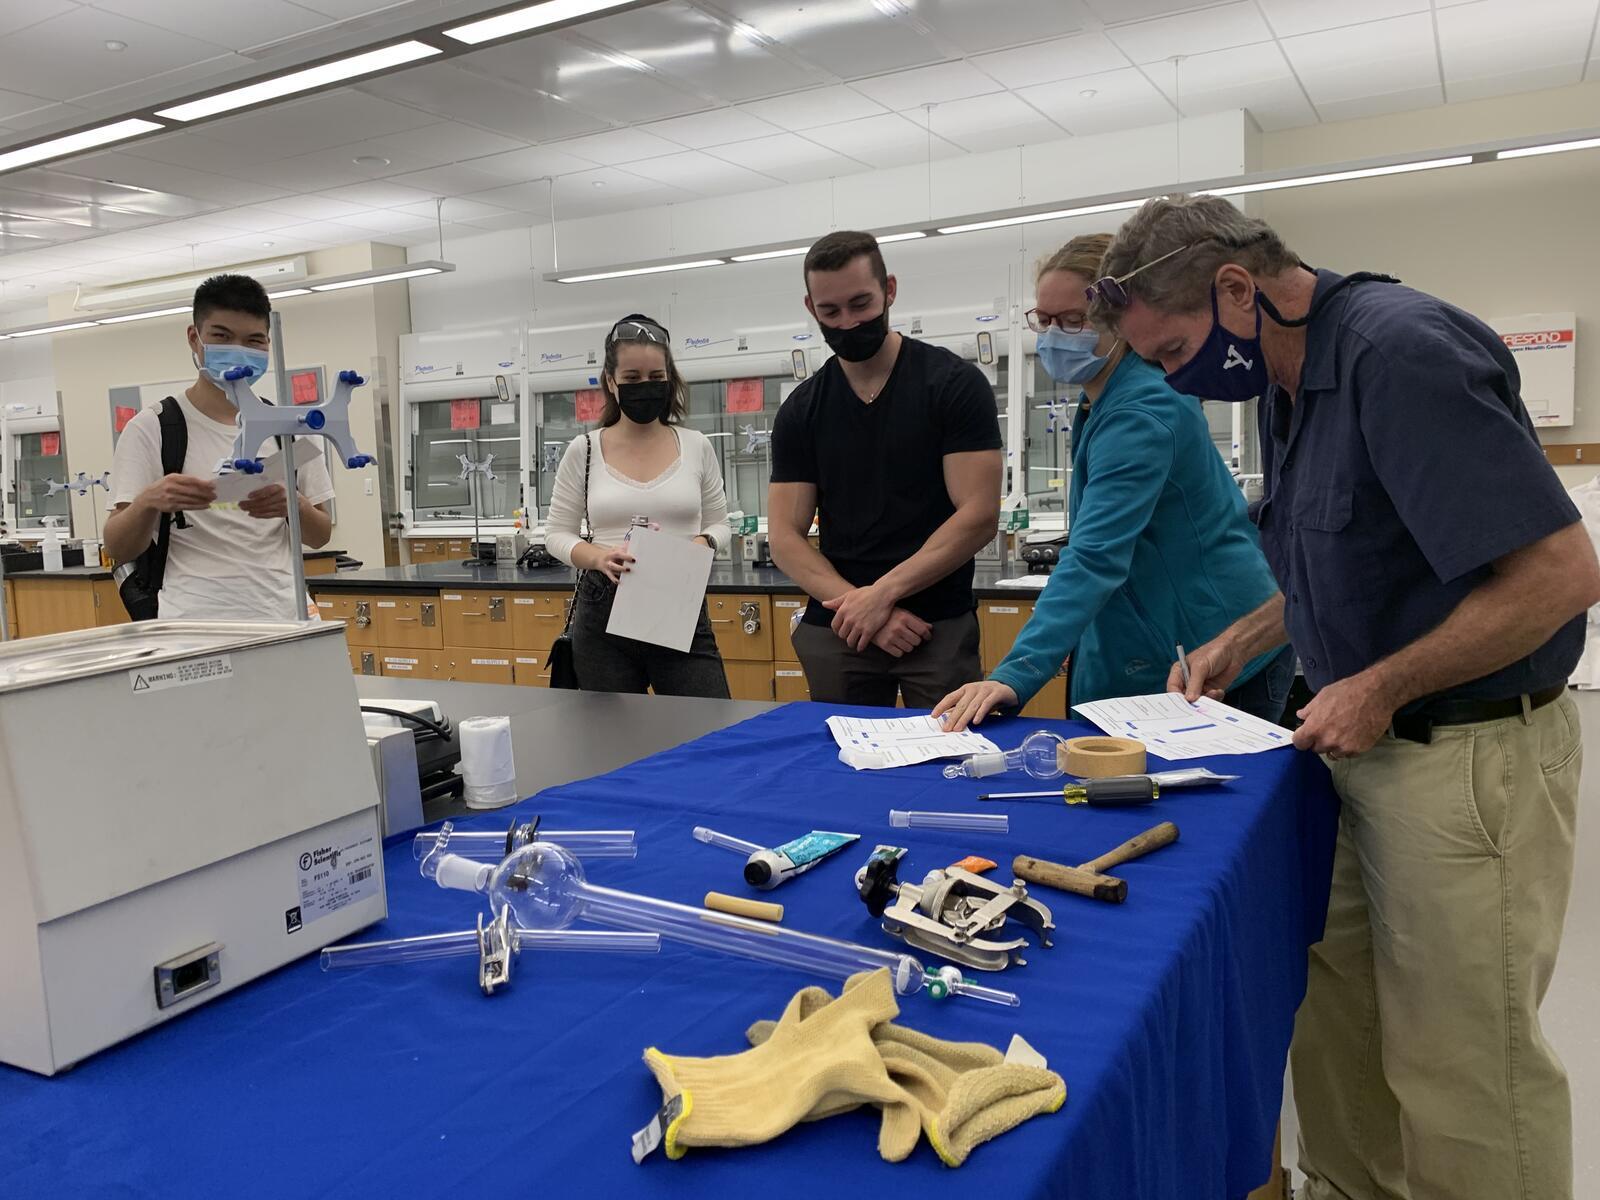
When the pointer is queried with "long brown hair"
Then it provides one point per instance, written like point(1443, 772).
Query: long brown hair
point(638, 329)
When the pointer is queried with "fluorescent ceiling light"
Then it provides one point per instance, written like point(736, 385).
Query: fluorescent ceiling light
point(789, 253)
point(287, 292)
point(16, 333)
point(901, 237)
point(1056, 215)
point(683, 266)
point(386, 277)
point(1274, 185)
point(145, 316)
point(1551, 148)
point(300, 81)
point(76, 143)
point(535, 16)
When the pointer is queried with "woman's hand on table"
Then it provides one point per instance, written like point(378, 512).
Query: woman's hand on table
point(970, 704)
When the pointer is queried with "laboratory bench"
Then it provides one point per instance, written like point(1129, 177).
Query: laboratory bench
point(86, 597)
point(496, 624)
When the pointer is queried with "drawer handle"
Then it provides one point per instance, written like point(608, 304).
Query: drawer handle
point(545, 616)
point(407, 618)
point(722, 620)
point(472, 614)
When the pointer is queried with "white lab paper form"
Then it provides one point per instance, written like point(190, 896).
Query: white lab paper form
point(659, 598)
point(236, 485)
point(1168, 725)
point(872, 745)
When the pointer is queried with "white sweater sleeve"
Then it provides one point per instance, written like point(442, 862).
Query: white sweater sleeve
point(565, 522)
point(713, 499)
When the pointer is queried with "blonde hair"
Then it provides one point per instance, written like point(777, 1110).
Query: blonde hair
point(1082, 256)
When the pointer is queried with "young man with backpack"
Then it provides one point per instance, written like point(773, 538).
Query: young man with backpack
point(190, 560)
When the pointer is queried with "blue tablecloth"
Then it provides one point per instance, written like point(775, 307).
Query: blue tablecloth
point(1169, 1016)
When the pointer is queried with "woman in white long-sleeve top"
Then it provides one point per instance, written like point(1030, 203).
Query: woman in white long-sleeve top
point(641, 462)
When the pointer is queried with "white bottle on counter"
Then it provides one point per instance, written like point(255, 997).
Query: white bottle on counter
point(51, 547)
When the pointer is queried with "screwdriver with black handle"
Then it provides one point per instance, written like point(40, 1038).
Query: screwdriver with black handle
point(1120, 791)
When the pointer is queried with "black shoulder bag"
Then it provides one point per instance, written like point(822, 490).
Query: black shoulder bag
point(563, 673)
point(139, 582)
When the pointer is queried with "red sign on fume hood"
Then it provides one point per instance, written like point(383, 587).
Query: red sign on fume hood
point(49, 444)
point(591, 404)
point(463, 414)
point(746, 395)
point(121, 417)
point(303, 386)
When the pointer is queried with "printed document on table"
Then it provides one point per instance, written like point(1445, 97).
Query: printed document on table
point(659, 598)
point(872, 745)
point(236, 485)
point(1168, 725)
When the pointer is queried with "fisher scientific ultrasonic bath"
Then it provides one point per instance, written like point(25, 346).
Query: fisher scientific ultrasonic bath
point(184, 806)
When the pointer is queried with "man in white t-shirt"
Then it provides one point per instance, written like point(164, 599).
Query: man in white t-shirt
point(225, 563)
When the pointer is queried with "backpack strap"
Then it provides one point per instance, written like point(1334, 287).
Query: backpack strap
point(174, 449)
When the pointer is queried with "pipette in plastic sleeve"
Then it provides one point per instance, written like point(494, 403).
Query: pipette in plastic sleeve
point(1115, 791)
point(1037, 756)
point(543, 888)
point(969, 822)
point(492, 847)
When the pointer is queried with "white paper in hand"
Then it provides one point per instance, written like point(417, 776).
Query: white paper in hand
point(236, 485)
point(659, 599)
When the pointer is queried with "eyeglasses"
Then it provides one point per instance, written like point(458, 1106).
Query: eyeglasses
point(637, 331)
point(1109, 290)
point(1038, 320)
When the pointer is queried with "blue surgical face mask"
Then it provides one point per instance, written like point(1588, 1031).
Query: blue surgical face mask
point(1226, 367)
point(1070, 357)
point(220, 359)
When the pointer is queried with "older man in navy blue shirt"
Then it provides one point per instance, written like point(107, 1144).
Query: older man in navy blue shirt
point(1434, 579)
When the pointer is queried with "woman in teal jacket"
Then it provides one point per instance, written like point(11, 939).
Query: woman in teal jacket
point(1160, 551)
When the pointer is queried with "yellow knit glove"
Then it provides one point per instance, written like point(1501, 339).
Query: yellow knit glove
point(820, 1054)
point(960, 1093)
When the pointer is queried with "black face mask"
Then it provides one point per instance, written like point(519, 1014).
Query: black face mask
point(644, 401)
point(860, 343)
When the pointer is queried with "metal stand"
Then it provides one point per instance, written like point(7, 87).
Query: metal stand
point(472, 472)
point(291, 479)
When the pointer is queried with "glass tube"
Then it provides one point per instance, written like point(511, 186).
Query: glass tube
point(979, 822)
point(711, 838)
point(465, 945)
point(491, 847)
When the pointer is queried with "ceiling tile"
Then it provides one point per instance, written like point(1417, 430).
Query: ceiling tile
point(989, 122)
point(520, 197)
point(16, 104)
point(1358, 105)
point(263, 22)
point(1482, 87)
point(1046, 62)
point(48, 59)
point(1104, 103)
point(457, 179)
point(974, 27)
point(18, 14)
point(378, 193)
point(594, 82)
point(506, 220)
point(51, 114)
point(1496, 39)
point(701, 173)
point(206, 186)
point(191, 148)
point(575, 191)
point(1136, 10)
point(316, 123)
point(715, 128)
point(689, 45)
point(927, 85)
point(328, 232)
point(253, 218)
point(1256, 78)
point(788, 157)
point(846, 37)
point(535, 162)
point(451, 90)
point(1291, 17)
point(389, 220)
point(316, 208)
point(1191, 33)
point(617, 146)
point(455, 210)
point(809, 109)
point(887, 141)
point(324, 169)
point(451, 142)
point(1359, 61)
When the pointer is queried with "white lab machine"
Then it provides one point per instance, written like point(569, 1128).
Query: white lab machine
point(184, 806)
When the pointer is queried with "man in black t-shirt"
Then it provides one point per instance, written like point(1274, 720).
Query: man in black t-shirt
point(894, 445)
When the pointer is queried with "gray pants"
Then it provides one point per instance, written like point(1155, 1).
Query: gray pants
point(606, 663)
point(837, 674)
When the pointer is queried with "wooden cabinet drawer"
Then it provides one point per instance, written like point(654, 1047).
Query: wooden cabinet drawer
point(784, 609)
point(1051, 702)
point(999, 622)
point(408, 664)
point(537, 618)
point(477, 618)
point(357, 612)
point(530, 670)
point(365, 661)
point(749, 680)
point(407, 621)
point(473, 666)
point(743, 627)
point(458, 548)
point(424, 550)
point(789, 682)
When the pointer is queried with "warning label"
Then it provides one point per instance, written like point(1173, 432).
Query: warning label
point(335, 875)
point(180, 674)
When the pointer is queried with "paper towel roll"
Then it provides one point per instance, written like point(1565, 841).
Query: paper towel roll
point(487, 767)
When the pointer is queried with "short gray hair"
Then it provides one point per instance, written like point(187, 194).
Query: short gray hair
point(1216, 232)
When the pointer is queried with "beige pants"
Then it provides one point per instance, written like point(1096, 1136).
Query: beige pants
point(1419, 1068)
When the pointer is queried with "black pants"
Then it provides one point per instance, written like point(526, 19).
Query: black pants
point(617, 664)
point(837, 674)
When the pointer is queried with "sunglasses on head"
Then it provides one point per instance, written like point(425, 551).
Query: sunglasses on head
point(1109, 290)
point(637, 331)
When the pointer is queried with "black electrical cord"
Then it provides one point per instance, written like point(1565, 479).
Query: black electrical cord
point(442, 731)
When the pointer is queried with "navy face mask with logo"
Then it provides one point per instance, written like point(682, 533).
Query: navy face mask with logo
point(1226, 367)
